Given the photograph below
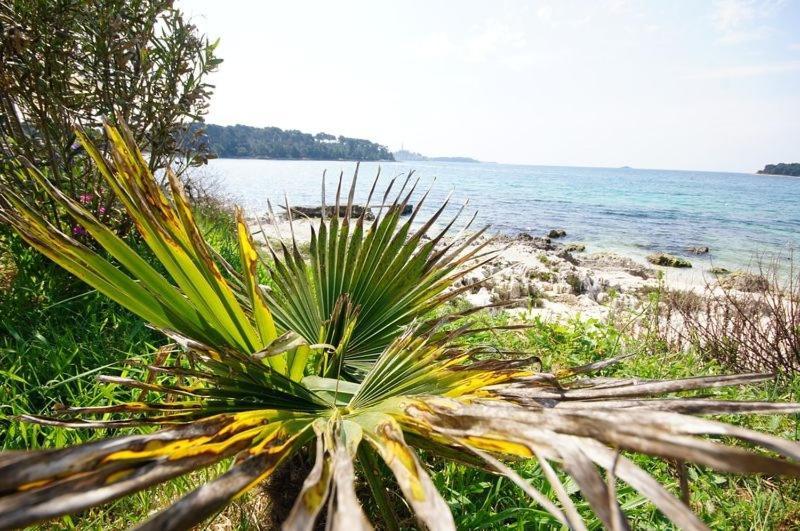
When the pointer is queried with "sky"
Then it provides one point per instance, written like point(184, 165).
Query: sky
point(684, 84)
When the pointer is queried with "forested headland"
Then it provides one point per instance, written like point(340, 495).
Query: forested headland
point(242, 141)
point(783, 168)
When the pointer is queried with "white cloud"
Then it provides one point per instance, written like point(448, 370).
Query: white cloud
point(618, 6)
point(525, 60)
point(558, 17)
point(495, 42)
point(437, 45)
point(545, 14)
point(744, 36)
point(743, 71)
point(495, 38)
point(739, 21)
point(730, 15)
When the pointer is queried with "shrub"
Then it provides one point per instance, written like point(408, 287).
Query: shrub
point(66, 62)
point(749, 321)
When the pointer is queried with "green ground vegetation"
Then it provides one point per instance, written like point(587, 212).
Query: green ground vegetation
point(56, 335)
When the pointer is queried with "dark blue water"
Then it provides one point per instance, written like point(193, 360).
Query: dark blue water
point(625, 210)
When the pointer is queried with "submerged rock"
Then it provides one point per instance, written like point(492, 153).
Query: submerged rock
point(668, 260)
point(697, 250)
point(719, 271)
point(557, 233)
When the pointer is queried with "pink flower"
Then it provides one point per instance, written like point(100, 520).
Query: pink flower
point(85, 198)
point(77, 230)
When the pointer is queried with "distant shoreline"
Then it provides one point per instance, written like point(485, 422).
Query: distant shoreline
point(405, 155)
point(228, 157)
point(454, 160)
point(774, 174)
point(527, 165)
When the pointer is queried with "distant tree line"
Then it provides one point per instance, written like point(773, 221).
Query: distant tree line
point(783, 168)
point(242, 141)
point(405, 155)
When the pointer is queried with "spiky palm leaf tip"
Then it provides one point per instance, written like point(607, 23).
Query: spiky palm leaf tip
point(338, 359)
point(362, 285)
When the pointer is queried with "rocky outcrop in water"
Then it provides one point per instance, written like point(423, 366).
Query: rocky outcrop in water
point(557, 233)
point(668, 260)
point(697, 250)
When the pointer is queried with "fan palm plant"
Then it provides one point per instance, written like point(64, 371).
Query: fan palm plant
point(360, 287)
point(339, 358)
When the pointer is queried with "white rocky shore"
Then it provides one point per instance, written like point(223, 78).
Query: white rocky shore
point(557, 281)
point(545, 278)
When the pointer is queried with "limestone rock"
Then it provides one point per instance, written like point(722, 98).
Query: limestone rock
point(534, 242)
point(611, 261)
point(575, 247)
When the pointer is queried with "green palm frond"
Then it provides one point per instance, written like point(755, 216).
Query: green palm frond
point(245, 383)
point(388, 269)
point(200, 304)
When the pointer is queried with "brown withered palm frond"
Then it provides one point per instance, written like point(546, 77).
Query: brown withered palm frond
point(247, 386)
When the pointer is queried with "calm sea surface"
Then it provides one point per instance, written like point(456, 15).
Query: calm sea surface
point(624, 210)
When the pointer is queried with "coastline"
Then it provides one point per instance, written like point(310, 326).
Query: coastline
point(537, 276)
point(629, 212)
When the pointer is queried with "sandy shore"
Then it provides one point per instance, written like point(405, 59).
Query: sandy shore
point(544, 277)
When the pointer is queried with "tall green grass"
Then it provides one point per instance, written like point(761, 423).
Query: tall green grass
point(57, 334)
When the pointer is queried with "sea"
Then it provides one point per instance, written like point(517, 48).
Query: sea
point(742, 218)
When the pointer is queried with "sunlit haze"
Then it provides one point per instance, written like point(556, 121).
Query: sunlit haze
point(685, 85)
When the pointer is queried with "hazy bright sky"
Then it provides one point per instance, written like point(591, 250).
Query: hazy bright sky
point(654, 84)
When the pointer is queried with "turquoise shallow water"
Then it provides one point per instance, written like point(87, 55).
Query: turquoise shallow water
point(625, 210)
